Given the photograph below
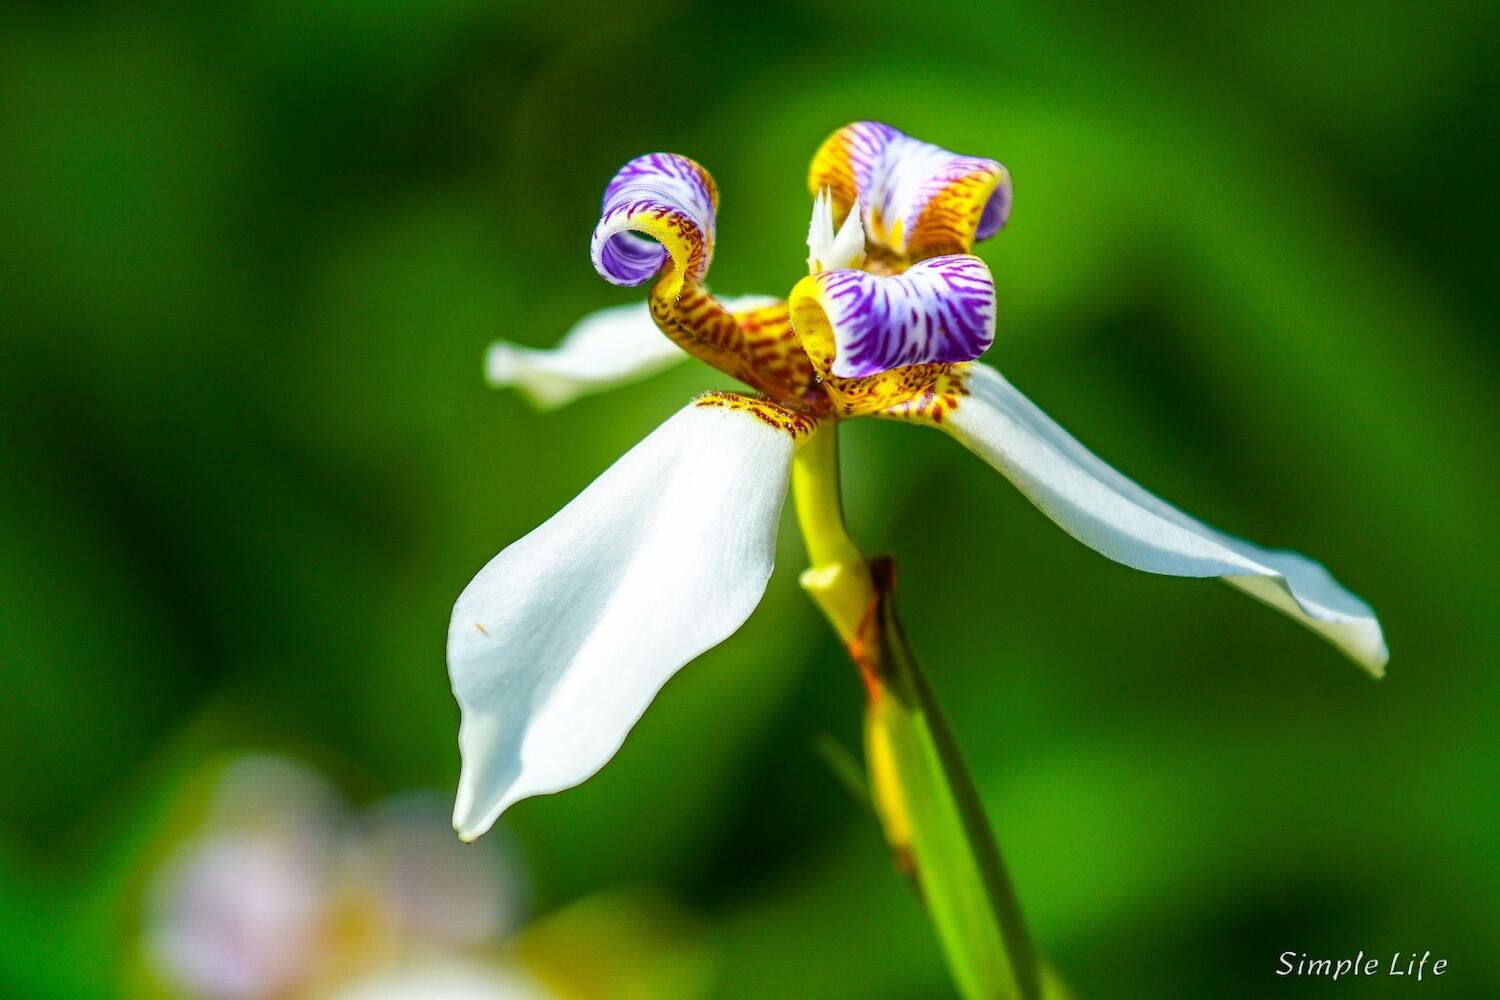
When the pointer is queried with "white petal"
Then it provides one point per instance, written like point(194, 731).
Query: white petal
point(830, 251)
point(819, 231)
point(605, 349)
point(558, 645)
point(1115, 516)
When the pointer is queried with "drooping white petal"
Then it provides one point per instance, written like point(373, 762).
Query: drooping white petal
point(558, 645)
point(1116, 517)
point(605, 349)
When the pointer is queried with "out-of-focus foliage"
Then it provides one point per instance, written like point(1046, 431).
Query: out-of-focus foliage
point(250, 256)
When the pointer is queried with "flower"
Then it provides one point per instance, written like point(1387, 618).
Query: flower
point(561, 641)
point(282, 893)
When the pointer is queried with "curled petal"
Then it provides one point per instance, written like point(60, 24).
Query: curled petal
point(855, 324)
point(558, 645)
point(1118, 518)
point(672, 200)
point(659, 208)
point(919, 200)
point(605, 349)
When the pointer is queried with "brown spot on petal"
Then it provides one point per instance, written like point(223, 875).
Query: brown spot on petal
point(794, 424)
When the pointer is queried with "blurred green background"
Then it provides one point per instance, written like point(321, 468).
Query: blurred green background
point(250, 257)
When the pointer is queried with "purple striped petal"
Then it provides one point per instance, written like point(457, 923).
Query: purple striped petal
point(939, 310)
point(918, 200)
point(659, 207)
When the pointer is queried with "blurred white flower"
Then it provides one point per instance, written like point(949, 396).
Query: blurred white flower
point(283, 892)
point(236, 917)
point(431, 885)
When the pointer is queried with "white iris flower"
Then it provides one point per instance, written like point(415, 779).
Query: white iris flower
point(559, 643)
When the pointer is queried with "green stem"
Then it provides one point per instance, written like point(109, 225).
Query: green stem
point(928, 806)
point(923, 788)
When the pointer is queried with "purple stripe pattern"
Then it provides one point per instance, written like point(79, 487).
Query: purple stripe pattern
point(939, 310)
point(668, 196)
point(915, 196)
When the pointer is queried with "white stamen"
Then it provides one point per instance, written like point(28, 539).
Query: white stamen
point(828, 251)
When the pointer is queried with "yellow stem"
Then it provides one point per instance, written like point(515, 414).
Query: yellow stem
point(838, 577)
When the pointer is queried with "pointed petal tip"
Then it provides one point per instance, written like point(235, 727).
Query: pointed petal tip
point(849, 243)
point(1376, 661)
point(469, 823)
point(500, 364)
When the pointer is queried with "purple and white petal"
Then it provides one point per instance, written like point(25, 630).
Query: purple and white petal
point(658, 208)
point(939, 310)
point(918, 200)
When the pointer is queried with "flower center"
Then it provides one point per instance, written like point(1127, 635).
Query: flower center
point(830, 251)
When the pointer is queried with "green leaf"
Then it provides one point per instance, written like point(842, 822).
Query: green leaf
point(934, 820)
